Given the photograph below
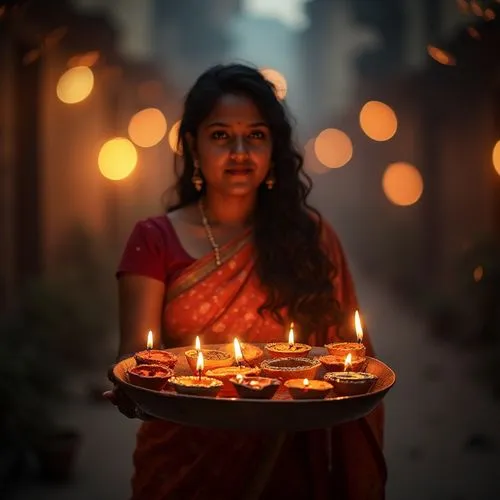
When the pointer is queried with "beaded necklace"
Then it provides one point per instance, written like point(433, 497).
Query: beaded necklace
point(208, 230)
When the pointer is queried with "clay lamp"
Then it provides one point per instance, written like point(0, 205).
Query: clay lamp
point(150, 376)
point(197, 385)
point(252, 354)
point(226, 373)
point(252, 387)
point(350, 383)
point(308, 389)
point(155, 356)
point(290, 349)
point(356, 349)
point(213, 358)
point(333, 363)
point(290, 368)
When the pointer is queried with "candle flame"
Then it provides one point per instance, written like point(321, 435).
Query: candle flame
point(238, 356)
point(239, 377)
point(306, 382)
point(197, 344)
point(149, 343)
point(357, 324)
point(291, 339)
point(199, 362)
point(348, 362)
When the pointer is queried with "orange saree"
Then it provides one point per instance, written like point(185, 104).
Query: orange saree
point(178, 462)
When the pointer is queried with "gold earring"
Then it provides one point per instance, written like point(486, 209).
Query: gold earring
point(197, 180)
point(271, 180)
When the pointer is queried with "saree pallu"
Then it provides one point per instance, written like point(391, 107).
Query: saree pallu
point(178, 462)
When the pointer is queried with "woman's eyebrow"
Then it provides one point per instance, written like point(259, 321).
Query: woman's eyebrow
point(222, 124)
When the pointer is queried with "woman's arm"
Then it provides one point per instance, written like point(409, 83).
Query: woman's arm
point(140, 310)
point(140, 301)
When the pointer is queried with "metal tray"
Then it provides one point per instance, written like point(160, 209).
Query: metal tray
point(280, 413)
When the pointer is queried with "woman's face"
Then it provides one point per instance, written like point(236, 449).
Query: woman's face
point(233, 147)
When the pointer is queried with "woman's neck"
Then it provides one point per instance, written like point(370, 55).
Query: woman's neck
point(229, 210)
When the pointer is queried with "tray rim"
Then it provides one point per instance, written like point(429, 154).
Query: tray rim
point(253, 401)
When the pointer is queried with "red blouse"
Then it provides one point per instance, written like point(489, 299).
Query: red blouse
point(154, 250)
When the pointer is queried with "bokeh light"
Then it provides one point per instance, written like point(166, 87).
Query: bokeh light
point(75, 84)
point(473, 33)
point(489, 14)
point(463, 5)
point(117, 158)
point(278, 80)
point(496, 157)
point(173, 138)
point(333, 148)
point(475, 8)
point(147, 127)
point(378, 121)
point(478, 273)
point(311, 162)
point(441, 56)
point(402, 183)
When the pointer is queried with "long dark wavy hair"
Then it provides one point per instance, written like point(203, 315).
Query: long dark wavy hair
point(291, 263)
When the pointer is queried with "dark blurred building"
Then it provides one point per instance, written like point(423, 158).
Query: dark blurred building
point(191, 35)
point(447, 126)
point(50, 182)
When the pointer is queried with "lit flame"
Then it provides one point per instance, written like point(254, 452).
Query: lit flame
point(197, 344)
point(239, 377)
point(357, 324)
point(306, 382)
point(238, 356)
point(348, 362)
point(149, 343)
point(291, 339)
point(199, 362)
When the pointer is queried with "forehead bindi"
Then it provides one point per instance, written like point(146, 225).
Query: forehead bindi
point(235, 110)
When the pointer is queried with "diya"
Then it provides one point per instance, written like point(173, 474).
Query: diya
point(252, 354)
point(333, 363)
point(150, 376)
point(289, 368)
point(245, 353)
point(290, 349)
point(356, 349)
point(348, 382)
point(226, 373)
point(308, 389)
point(253, 387)
point(155, 356)
point(196, 386)
point(213, 358)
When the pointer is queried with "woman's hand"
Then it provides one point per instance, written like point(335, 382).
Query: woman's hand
point(125, 405)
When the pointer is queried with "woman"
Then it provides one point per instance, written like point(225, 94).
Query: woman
point(242, 251)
